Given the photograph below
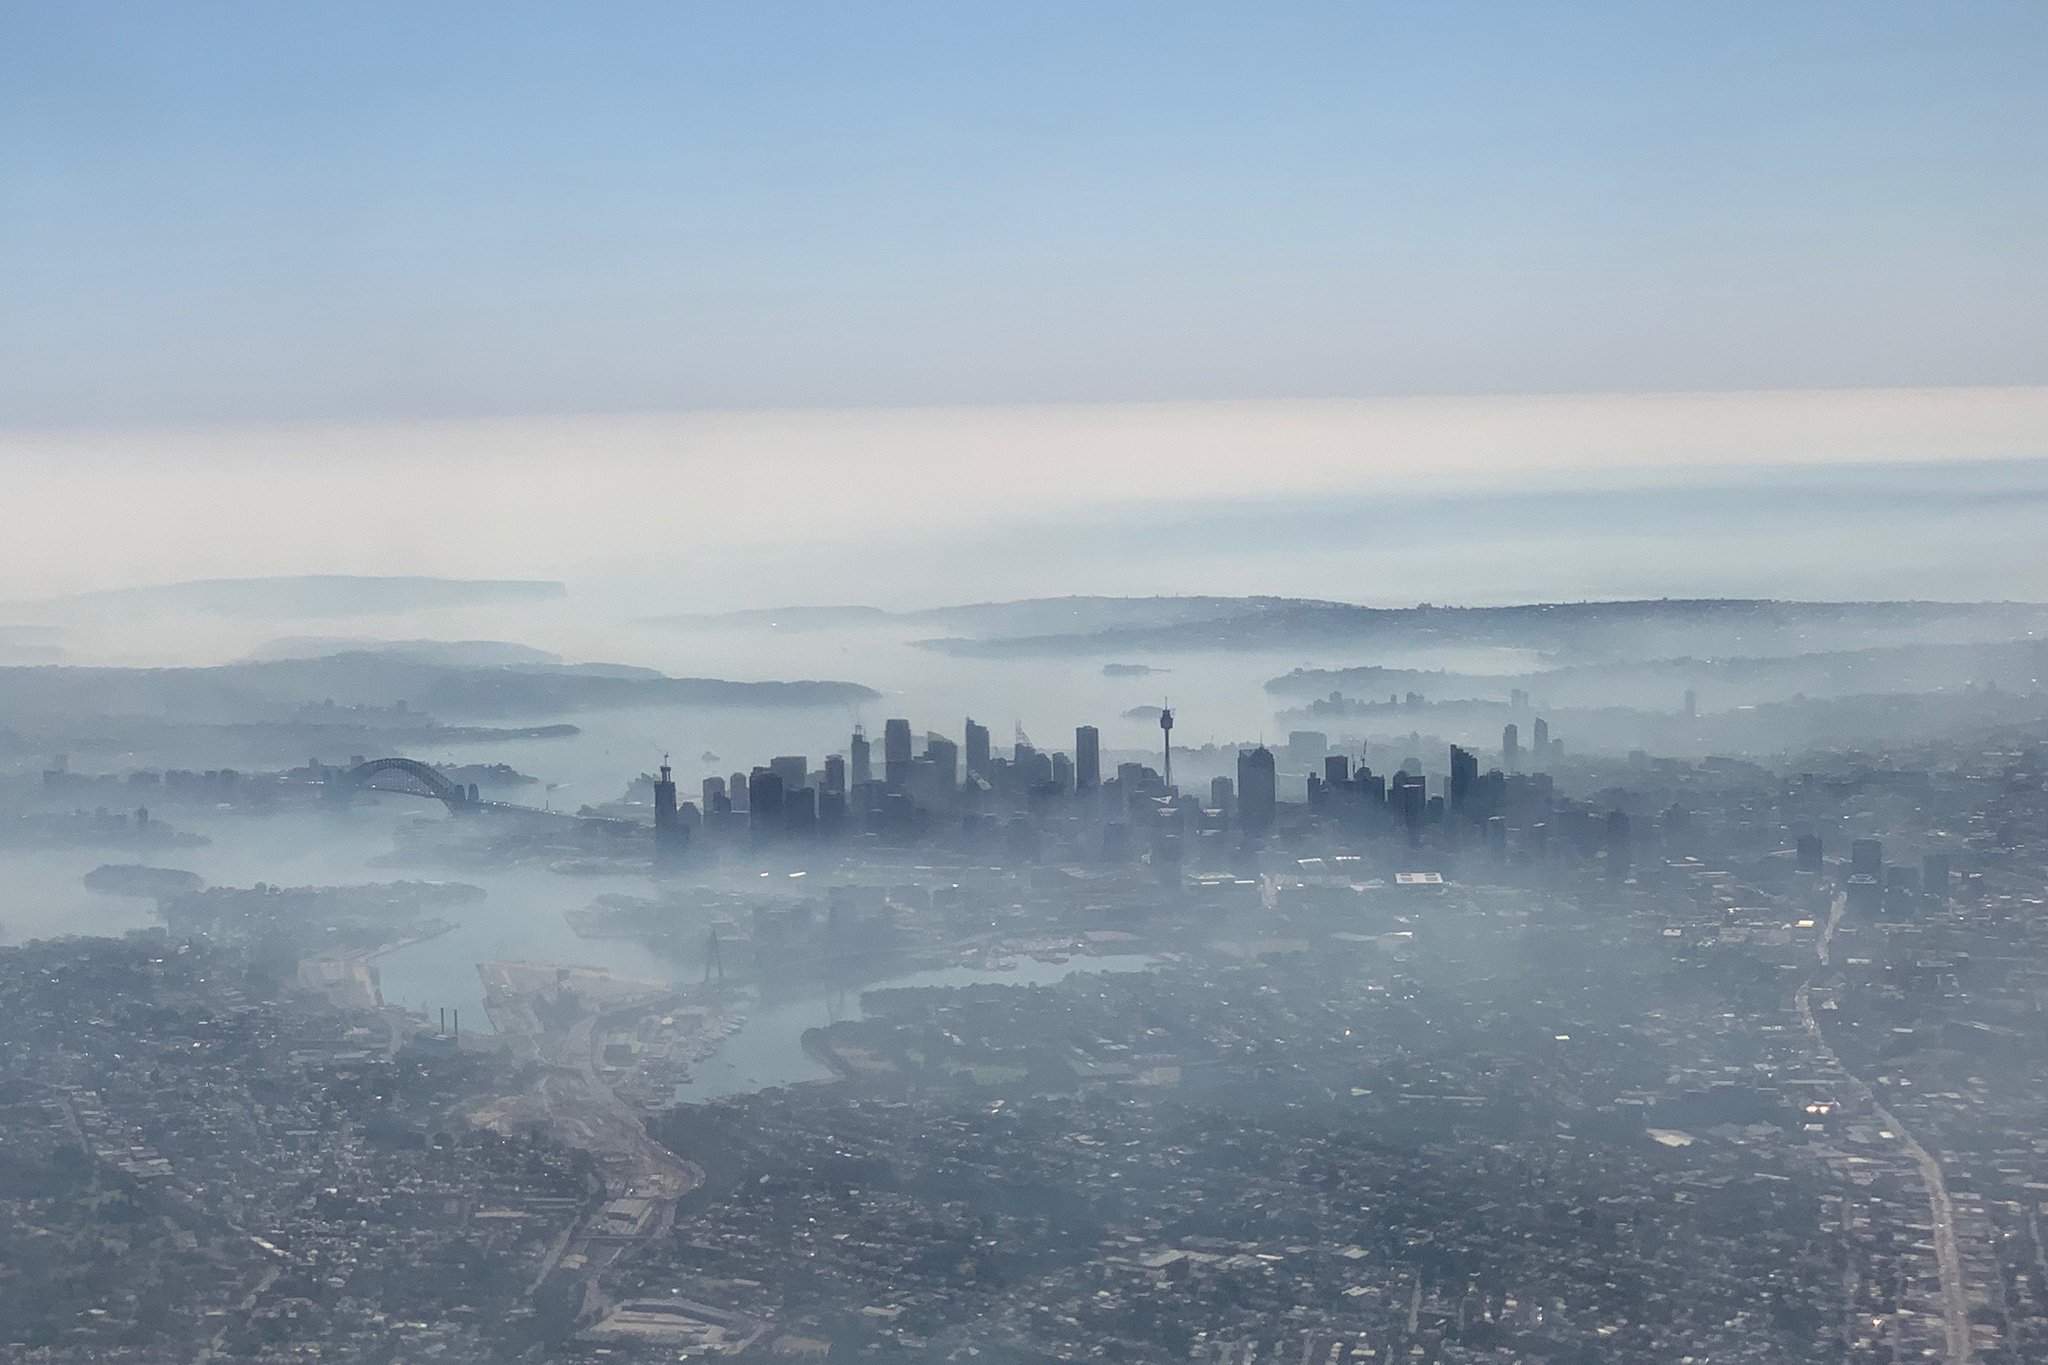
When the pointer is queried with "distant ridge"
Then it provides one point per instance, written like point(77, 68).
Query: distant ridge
point(1587, 629)
point(275, 689)
point(1114, 627)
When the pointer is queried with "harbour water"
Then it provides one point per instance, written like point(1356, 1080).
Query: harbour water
point(768, 1050)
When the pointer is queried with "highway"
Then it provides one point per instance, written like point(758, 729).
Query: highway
point(1955, 1299)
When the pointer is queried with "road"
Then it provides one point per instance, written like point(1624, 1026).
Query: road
point(1955, 1299)
point(575, 1105)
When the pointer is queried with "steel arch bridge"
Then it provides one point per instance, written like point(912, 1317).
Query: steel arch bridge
point(425, 781)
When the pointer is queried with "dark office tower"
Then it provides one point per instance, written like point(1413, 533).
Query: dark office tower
point(1692, 704)
point(1166, 741)
point(1063, 773)
point(1222, 795)
point(1809, 856)
point(1464, 773)
point(1087, 758)
point(714, 791)
point(1619, 850)
point(977, 749)
point(1866, 858)
point(863, 771)
point(668, 831)
point(800, 811)
point(793, 769)
point(896, 752)
point(1934, 877)
point(945, 756)
point(1257, 790)
point(1337, 771)
point(736, 789)
point(1408, 798)
point(1510, 747)
point(1539, 739)
point(764, 802)
point(835, 775)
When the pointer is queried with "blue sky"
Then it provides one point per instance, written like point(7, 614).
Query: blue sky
point(361, 211)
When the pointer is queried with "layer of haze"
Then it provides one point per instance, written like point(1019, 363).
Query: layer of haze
point(1844, 494)
point(718, 305)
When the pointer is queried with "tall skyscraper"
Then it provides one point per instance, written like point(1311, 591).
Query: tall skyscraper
point(896, 752)
point(669, 833)
point(1409, 799)
point(857, 750)
point(764, 802)
point(1539, 739)
point(793, 769)
point(1464, 773)
point(1510, 747)
point(1866, 858)
point(1257, 790)
point(1087, 758)
point(945, 757)
point(977, 749)
point(835, 775)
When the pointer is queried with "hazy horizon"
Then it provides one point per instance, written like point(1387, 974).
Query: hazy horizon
point(1752, 494)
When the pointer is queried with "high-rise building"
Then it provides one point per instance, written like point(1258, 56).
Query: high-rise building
point(977, 749)
point(1337, 770)
point(1305, 750)
point(764, 802)
point(792, 769)
point(1809, 853)
point(896, 751)
point(736, 790)
point(1510, 747)
point(1539, 739)
point(1866, 858)
point(835, 775)
point(1087, 758)
point(1257, 790)
point(1222, 794)
point(1408, 797)
point(857, 749)
point(1464, 773)
point(945, 757)
point(714, 792)
point(669, 834)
